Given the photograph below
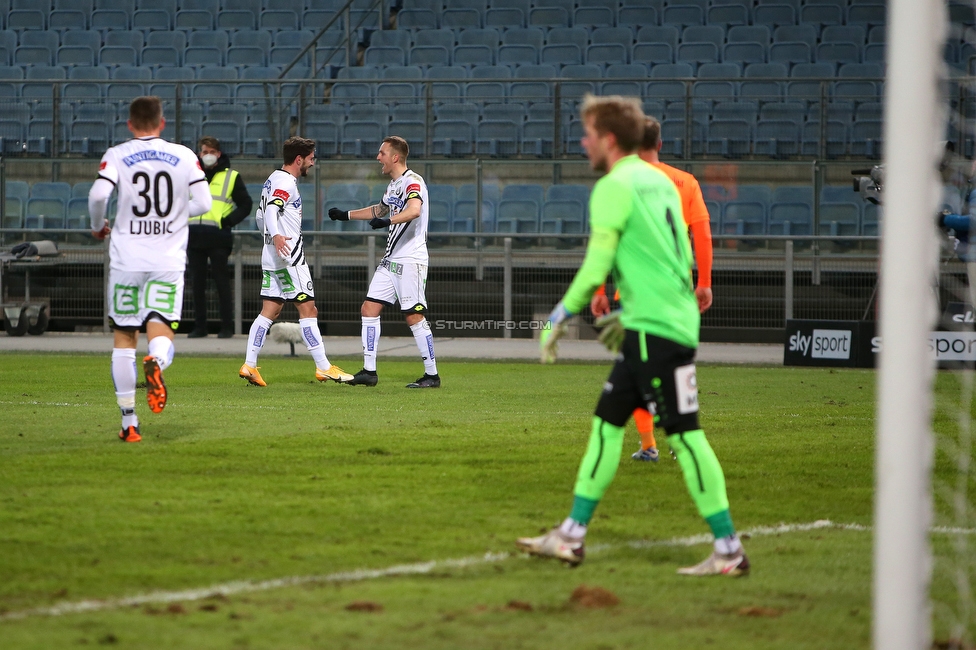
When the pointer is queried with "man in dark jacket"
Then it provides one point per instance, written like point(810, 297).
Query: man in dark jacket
point(210, 236)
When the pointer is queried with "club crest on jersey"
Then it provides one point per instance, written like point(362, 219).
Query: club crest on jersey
point(297, 203)
point(281, 194)
point(149, 155)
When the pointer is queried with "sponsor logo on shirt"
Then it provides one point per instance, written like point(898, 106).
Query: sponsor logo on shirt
point(395, 202)
point(150, 155)
point(102, 166)
point(413, 187)
point(281, 194)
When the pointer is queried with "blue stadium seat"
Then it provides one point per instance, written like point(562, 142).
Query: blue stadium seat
point(515, 216)
point(803, 33)
point(460, 19)
point(85, 90)
point(497, 138)
point(435, 38)
point(361, 138)
point(93, 39)
point(45, 213)
point(217, 38)
point(229, 134)
point(836, 138)
point(176, 40)
point(749, 34)
point(505, 17)
point(871, 15)
point(653, 53)
point(744, 110)
point(203, 56)
point(714, 34)
point(607, 54)
point(188, 20)
point(452, 137)
point(788, 218)
point(790, 52)
point(756, 85)
point(232, 20)
point(150, 20)
point(777, 138)
point(31, 56)
point(866, 137)
point(75, 55)
point(278, 20)
point(117, 90)
point(537, 138)
point(431, 55)
point(473, 55)
point(563, 217)
point(246, 57)
point(636, 17)
point(84, 6)
point(418, 19)
point(64, 20)
point(168, 90)
point(42, 73)
point(673, 137)
point(159, 56)
point(744, 53)
point(252, 38)
point(326, 136)
point(465, 217)
point(842, 219)
point(668, 34)
point(568, 192)
point(25, 19)
point(464, 112)
point(683, 14)
point(595, 17)
point(88, 137)
point(560, 55)
point(48, 40)
point(822, 14)
point(729, 14)
point(744, 217)
point(524, 192)
point(774, 15)
point(695, 53)
point(728, 138)
point(380, 56)
point(838, 53)
point(548, 17)
point(517, 55)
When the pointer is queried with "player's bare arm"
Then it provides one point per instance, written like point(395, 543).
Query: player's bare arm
point(281, 245)
point(377, 211)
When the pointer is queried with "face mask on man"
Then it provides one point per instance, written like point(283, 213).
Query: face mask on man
point(209, 160)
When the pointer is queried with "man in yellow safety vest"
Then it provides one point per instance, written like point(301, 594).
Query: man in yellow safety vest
point(210, 236)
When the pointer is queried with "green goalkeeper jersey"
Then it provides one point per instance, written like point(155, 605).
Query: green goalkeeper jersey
point(638, 234)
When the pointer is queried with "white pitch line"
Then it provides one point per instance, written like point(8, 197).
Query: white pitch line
point(420, 568)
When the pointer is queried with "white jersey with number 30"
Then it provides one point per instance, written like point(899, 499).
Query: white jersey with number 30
point(153, 179)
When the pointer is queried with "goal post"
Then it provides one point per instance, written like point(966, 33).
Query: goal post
point(914, 128)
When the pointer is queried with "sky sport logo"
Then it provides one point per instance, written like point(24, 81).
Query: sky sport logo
point(492, 325)
point(823, 344)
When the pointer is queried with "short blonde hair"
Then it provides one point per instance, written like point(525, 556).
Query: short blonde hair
point(621, 116)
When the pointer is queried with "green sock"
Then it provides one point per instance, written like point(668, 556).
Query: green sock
point(597, 469)
point(704, 478)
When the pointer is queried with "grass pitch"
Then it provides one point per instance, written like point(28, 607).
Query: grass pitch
point(235, 483)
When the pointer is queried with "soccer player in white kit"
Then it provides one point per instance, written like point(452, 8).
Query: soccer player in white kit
point(402, 273)
point(286, 276)
point(147, 251)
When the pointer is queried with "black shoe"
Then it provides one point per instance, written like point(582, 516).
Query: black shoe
point(364, 378)
point(427, 381)
point(197, 334)
point(225, 334)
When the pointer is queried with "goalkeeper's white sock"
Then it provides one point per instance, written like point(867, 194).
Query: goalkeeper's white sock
point(425, 343)
point(728, 545)
point(371, 341)
point(572, 528)
point(313, 341)
point(256, 338)
point(163, 349)
point(124, 378)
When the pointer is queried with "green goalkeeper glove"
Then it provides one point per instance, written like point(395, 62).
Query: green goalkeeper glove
point(549, 338)
point(612, 332)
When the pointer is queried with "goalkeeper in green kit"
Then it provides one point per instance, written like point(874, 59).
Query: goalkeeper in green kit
point(638, 235)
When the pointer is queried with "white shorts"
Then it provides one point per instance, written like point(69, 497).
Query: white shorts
point(403, 282)
point(291, 284)
point(134, 296)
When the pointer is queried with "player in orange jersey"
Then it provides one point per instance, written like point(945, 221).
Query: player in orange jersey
point(696, 219)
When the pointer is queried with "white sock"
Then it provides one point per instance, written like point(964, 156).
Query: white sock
point(162, 348)
point(572, 528)
point(371, 341)
point(124, 378)
point(313, 341)
point(425, 343)
point(728, 545)
point(256, 338)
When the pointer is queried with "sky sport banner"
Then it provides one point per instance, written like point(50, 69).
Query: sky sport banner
point(855, 344)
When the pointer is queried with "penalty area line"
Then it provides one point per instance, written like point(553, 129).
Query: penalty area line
point(419, 568)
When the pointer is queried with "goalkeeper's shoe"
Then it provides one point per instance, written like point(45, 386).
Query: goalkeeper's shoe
point(364, 378)
point(334, 373)
point(717, 564)
point(554, 544)
point(427, 381)
point(155, 387)
point(252, 375)
point(649, 455)
point(130, 434)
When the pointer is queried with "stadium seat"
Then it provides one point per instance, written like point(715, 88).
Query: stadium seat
point(75, 55)
point(466, 218)
point(381, 56)
point(473, 56)
point(361, 138)
point(636, 17)
point(822, 14)
point(569, 36)
point(452, 137)
point(559, 55)
point(418, 19)
point(505, 17)
point(744, 53)
point(714, 34)
point(841, 218)
point(537, 138)
point(866, 136)
point(790, 218)
point(728, 15)
point(25, 19)
point(743, 217)
point(548, 17)
point(45, 213)
point(460, 19)
point(515, 216)
point(514, 55)
point(668, 34)
point(774, 15)
point(728, 138)
point(278, 20)
point(497, 138)
point(790, 53)
point(777, 138)
point(749, 34)
point(870, 15)
point(682, 15)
